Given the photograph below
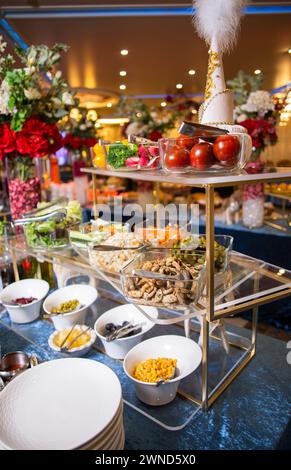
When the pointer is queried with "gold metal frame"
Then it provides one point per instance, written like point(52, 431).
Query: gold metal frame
point(207, 399)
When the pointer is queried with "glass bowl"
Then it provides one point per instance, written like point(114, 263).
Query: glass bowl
point(95, 231)
point(205, 154)
point(169, 278)
point(222, 248)
point(112, 261)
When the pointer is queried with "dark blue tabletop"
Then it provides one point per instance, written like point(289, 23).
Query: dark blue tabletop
point(252, 414)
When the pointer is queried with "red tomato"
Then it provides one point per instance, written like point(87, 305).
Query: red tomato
point(177, 157)
point(226, 148)
point(186, 141)
point(201, 156)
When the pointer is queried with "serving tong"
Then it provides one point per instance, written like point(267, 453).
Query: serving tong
point(59, 215)
point(193, 129)
point(66, 348)
point(123, 331)
point(166, 380)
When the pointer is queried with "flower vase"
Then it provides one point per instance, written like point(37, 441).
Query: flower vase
point(253, 198)
point(80, 178)
point(23, 185)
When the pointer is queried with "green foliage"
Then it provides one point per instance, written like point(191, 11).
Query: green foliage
point(243, 84)
point(37, 88)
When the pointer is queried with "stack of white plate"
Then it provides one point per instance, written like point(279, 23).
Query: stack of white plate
point(63, 404)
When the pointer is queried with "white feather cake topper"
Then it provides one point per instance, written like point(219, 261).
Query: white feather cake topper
point(217, 22)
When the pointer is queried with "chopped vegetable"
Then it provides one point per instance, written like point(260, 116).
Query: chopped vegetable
point(119, 153)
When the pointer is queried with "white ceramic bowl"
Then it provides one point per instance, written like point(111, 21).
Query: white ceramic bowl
point(120, 347)
point(185, 350)
point(84, 293)
point(74, 352)
point(25, 288)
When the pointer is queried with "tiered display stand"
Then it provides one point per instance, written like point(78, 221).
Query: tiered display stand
point(246, 284)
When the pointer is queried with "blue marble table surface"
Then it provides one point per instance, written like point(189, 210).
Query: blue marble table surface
point(253, 413)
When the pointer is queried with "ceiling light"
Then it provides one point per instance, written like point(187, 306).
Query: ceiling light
point(194, 111)
point(179, 86)
point(163, 104)
point(191, 72)
point(289, 51)
point(124, 52)
point(122, 87)
point(123, 73)
point(109, 105)
point(113, 121)
point(257, 72)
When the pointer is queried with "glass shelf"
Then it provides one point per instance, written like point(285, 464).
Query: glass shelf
point(247, 281)
point(193, 180)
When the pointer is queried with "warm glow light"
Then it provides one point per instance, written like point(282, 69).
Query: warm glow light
point(257, 72)
point(123, 73)
point(179, 86)
point(109, 105)
point(284, 116)
point(122, 87)
point(163, 104)
point(191, 72)
point(92, 115)
point(124, 52)
point(113, 121)
point(194, 111)
point(289, 51)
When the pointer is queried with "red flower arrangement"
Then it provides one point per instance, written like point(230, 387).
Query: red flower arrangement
point(262, 132)
point(7, 140)
point(36, 139)
point(75, 142)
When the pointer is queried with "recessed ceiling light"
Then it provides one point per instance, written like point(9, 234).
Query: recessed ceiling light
point(191, 72)
point(289, 50)
point(124, 52)
point(123, 73)
point(122, 87)
point(194, 111)
point(163, 104)
point(109, 105)
point(257, 72)
point(179, 86)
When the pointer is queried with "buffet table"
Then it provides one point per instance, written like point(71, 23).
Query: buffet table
point(252, 414)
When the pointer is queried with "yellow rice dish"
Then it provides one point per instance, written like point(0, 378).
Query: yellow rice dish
point(59, 338)
point(153, 370)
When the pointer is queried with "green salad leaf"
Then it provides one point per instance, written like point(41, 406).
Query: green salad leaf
point(119, 153)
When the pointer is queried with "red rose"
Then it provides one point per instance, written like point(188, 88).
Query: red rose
point(7, 140)
point(90, 142)
point(37, 138)
point(155, 135)
point(72, 141)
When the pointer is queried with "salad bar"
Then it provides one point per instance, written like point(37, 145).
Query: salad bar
point(171, 281)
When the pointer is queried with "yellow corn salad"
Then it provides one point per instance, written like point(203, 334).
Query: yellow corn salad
point(153, 370)
point(81, 341)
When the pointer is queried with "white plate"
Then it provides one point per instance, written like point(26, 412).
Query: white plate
point(60, 404)
point(108, 433)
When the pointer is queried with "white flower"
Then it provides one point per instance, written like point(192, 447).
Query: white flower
point(83, 127)
point(89, 124)
point(32, 94)
point(4, 98)
point(67, 98)
point(136, 128)
point(56, 102)
point(154, 114)
point(241, 118)
point(259, 102)
point(58, 74)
